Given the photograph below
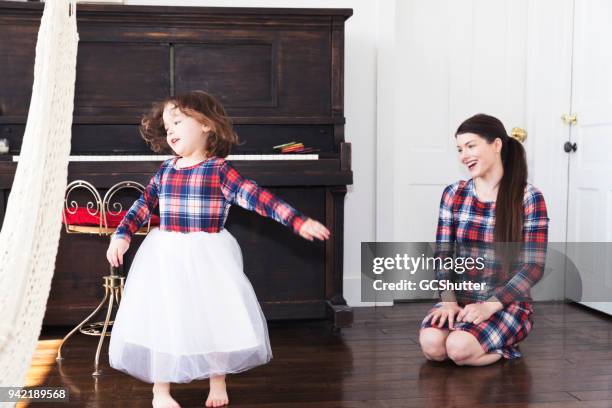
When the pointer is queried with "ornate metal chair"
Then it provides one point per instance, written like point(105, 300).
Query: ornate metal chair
point(94, 219)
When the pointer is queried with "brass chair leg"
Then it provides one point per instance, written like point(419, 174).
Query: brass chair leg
point(113, 292)
point(59, 350)
point(104, 328)
point(119, 294)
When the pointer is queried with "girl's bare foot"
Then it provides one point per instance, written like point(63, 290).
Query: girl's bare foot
point(162, 398)
point(217, 397)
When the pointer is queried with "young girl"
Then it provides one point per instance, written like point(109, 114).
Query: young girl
point(188, 310)
point(495, 205)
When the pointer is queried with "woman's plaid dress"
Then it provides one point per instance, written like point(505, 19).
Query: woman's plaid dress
point(465, 220)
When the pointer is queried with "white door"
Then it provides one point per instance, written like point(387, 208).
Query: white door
point(590, 169)
point(450, 59)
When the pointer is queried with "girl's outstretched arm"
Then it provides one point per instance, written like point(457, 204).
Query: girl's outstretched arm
point(249, 195)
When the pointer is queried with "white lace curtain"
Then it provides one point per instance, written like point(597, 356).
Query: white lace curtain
point(32, 224)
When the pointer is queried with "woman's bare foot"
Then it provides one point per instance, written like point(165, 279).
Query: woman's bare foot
point(161, 396)
point(217, 397)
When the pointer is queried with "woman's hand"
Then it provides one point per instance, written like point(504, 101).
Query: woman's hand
point(311, 229)
point(115, 251)
point(448, 310)
point(479, 312)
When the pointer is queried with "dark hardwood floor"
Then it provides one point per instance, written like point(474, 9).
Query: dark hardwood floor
point(377, 363)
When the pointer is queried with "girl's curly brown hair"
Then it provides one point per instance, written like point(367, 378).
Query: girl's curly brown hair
point(199, 105)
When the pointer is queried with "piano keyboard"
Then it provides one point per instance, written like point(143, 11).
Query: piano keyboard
point(91, 158)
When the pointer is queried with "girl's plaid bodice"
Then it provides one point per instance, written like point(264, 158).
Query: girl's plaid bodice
point(466, 225)
point(198, 198)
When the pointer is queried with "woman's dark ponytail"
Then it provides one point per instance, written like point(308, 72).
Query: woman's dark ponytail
point(509, 207)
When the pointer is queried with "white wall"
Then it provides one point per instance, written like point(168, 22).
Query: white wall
point(549, 76)
point(360, 110)
point(441, 61)
point(445, 60)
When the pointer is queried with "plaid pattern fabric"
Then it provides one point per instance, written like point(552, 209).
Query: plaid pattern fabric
point(465, 220)
point(198, 198)
point(468, 223)
point(501, 332)
point(505, 271)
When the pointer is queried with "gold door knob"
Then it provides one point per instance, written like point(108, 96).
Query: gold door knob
point(519, 134)
point(569, 119)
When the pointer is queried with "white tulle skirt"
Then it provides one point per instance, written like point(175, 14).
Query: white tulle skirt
point(188, 311)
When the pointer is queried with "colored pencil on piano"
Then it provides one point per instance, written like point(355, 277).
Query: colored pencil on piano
point(283, 145)
point(308, 150)
point(292, 148)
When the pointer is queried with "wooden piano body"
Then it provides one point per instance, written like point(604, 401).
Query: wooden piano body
point(279, 73)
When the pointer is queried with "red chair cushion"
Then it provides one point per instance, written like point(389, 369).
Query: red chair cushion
point(83, 217)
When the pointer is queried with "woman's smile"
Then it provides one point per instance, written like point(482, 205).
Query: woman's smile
point(471, 164)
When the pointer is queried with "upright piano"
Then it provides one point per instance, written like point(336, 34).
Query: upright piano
point(279, 73)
